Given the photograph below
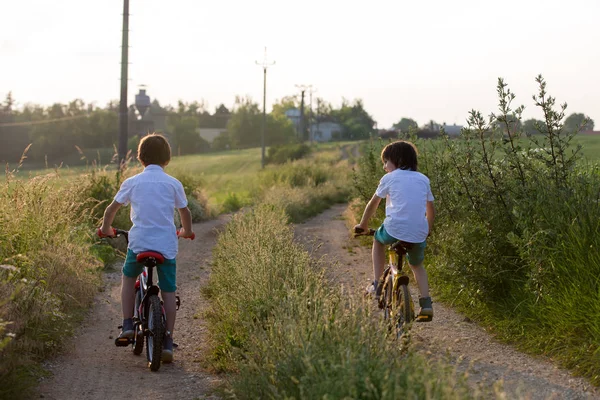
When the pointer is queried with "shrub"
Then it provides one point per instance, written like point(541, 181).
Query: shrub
point(288, 152)
point(515, 241)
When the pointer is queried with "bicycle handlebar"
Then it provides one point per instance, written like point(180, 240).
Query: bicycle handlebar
point(187, 237)
point(362, 232)
point(118, 232)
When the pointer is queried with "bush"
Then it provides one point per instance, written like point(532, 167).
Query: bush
point(515, 242)
point(288, 152)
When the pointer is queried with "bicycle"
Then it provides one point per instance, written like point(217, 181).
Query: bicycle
point(149, 316)
point(395, 299)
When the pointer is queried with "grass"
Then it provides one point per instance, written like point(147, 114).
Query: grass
point(286, 334)
point(49, 276)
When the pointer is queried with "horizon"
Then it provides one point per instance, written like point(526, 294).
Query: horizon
point(438, 60)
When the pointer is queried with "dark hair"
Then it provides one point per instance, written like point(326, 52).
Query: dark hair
point(154, 149)
point(402, 154)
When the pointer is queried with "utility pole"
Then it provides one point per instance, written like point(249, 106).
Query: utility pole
point(123, 109)
point(310, 118)
point(265, 64)
point(303, 89)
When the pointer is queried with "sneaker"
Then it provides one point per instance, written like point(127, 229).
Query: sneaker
point(373, 290)
point(127, 330)
point(426, 311)
point(167, 353)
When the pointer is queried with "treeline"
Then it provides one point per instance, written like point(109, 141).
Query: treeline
point(58, 133)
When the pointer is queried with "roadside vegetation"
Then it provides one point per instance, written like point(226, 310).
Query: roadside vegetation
point(515, 244)
point(285, 333)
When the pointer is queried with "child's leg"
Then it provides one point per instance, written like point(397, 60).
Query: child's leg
point(167, 281)
point(127, 296)
point(170, 308)
point(378, 259)
point(421, 278)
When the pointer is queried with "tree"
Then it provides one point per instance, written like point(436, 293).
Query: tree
point(578, 122)
point(185, 137)
point(245, 126)
point(357, 123)
point(405, 124)
point(530, 126)
point(286, 103)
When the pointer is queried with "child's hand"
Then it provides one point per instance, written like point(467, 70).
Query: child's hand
point(106, 231)
point(182, 233)
point(360, 228)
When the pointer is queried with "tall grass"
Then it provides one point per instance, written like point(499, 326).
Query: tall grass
point(287, 334)
point(516, 241)
point(51, 276)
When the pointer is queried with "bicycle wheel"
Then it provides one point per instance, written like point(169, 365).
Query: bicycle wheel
point(403, 310)
point(154, 340)
point(385, 301)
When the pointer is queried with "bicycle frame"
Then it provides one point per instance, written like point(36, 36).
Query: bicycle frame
point(146, 289)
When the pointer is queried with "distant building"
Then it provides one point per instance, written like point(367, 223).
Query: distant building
point(452, 130)
point(326, 131)
point(147, 116)
point(209, 134)
point(294, 115)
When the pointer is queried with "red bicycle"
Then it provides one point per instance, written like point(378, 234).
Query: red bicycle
point(149, 317)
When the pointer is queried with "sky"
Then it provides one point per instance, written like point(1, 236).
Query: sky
point(426, 60)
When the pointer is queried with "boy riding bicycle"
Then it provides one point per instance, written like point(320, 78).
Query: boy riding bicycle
point(153, 196)
point(409, 215)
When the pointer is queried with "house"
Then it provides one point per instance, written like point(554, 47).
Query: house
point(452, 130)
point(325, 131)
point(209, 134)
point(295, 116)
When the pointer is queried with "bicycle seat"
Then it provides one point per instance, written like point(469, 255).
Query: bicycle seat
point(150, 254)
point(401, 246)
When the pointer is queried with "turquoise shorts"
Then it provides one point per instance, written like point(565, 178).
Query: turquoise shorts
point(415, 255)
point(167, 277)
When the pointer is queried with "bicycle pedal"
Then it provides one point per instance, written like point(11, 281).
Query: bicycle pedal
point(122, 342)
point(424, 318)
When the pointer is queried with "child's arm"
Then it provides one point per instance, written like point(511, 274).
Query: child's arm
point(430, 214)
point(370, 210)
point(186, 222)
point(109, 217)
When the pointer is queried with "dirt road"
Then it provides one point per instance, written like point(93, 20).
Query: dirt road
point(93, 368)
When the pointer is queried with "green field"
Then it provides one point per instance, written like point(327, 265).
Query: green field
point(590, 146)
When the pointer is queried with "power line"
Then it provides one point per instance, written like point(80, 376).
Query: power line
point(44, 121)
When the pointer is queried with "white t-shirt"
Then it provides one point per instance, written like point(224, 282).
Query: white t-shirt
point(406, 193)
point(153, 195)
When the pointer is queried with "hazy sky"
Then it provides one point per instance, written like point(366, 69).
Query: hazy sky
point(433, 59)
